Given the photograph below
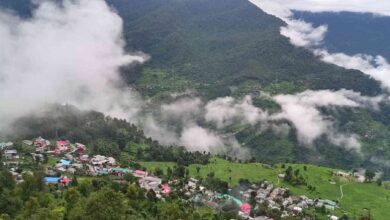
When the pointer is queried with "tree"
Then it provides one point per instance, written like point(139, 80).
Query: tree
point(169, 172)
point(9, 203)
point(105, 147)
point(158, 171)
point(130, 178)
point(85, 188)
point(74, 181)
point(171, 211)
point(369, 174)
point(6, 180)
point(296, 172)
point(71, 196)
point(105, 204)
point(379, 182)
point(151, 195)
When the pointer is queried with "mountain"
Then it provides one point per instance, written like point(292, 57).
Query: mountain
point(213, 45)
point(231, 48)
point(353, 33)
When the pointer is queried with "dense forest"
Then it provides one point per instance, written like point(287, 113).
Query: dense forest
point(105, 135)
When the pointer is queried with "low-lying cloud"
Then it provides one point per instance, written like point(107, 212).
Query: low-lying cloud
point(64, 54)
point(376, 67)
point(302, 110)
point(379, 7)
point(227, 110)
point(304, 34)
point(72, 54)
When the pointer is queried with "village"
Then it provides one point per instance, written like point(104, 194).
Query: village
point(72, 160)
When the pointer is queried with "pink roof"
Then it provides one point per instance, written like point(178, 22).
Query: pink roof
point(166, 189)
point(65, 180)
point(140, 172)
point(63, 142)
point(245, 208)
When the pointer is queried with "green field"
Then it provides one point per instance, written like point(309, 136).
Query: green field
point(357, 196)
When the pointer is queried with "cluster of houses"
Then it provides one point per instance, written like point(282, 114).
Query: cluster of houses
point(73, 160)
point(357, 176)
point(265, 193)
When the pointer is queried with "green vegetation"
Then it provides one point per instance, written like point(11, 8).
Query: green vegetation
point(356, 198)
point(92, 198)
point(284, 88)
point(160, 84)
point(225, 43)
point(103, 135)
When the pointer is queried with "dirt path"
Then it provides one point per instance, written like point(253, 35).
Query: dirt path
point(341, 191)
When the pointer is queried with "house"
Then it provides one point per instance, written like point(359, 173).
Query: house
point(102, 171)
point(63, 145)
point(119, 171)
point(65, 163)
point(84, 158)
point(40, 142)
point(11, 154)
point(37, 157)
point(51, 180)
point(111, 161)
point(98, 160)
point(4, 145)
point(81, 148)
point(150, 183)
point(27, 142)
point(69, 157)
point(245, 208)
point(359, 177)
point(341, 174)
point(140, 173)
point(63, 180)
point(166, 189)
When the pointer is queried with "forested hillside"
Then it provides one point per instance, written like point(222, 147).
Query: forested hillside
point(219, 48)
point(215, 44)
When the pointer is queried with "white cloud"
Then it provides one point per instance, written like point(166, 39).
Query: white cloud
point(69, 54)
point(225, 111)
point(380, 7)
point(299, 32)
point(159, 131)
point(302, 110)
point(376, 67)
point(185, 108)
point(201, 139)
point(304, 34)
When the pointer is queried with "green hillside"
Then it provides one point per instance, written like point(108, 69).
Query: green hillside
point(356, 196)
point(212, 46)
point(221, 43)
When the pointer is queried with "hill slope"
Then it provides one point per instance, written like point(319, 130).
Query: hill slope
point(222, 43)
point(353, 33)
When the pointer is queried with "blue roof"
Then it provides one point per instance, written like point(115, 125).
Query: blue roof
point(65, 162)
point(49, 179)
